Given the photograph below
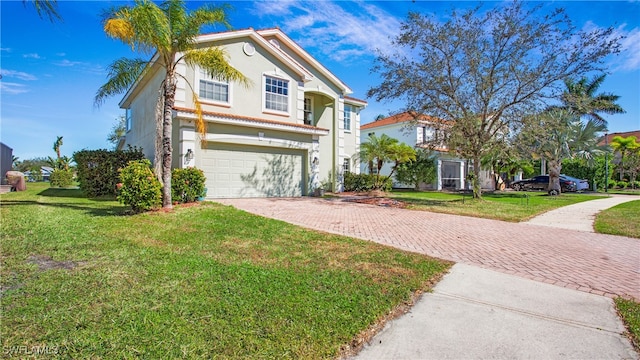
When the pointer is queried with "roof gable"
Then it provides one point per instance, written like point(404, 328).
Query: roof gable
point(260, 37)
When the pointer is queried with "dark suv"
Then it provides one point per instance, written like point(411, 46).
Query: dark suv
point(541, 182)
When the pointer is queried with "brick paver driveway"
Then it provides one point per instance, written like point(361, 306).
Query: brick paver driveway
point(600, 264)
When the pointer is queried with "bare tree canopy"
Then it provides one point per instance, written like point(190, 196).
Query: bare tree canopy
point(487, 70)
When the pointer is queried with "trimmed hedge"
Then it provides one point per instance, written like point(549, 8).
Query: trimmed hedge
point(187, 185)
point(363, 182)
point(97, 170)
point(61, 178)
point(139, 187)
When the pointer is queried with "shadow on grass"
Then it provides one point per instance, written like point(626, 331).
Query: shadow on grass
point(72, 193)
point(95, 211)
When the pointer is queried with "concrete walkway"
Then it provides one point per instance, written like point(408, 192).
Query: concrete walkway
point(474, 313)
point(579, 216)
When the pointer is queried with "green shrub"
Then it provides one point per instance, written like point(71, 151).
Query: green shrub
point(61, 178)
point(622, 184)
point(363, 182)
point(97, 170)
point(139, 187)
point(635, 184)
point(187, 185)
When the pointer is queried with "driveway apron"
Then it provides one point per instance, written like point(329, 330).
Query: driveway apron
point(594, 263)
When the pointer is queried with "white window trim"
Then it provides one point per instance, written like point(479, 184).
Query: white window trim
point(263, 93)
point(128, 122)
point(303, 110)
point(344, 118)
point(210, 101)
point(346, 162)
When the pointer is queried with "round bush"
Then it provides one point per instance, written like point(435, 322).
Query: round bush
point(187, 185)
point(61, 178)
point(139, 187)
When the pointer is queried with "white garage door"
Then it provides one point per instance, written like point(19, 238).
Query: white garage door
point(252, 171)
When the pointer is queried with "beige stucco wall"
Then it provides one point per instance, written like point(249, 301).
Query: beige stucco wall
point(328, 107)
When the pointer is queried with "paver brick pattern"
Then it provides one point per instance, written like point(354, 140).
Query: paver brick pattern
point(596, 263)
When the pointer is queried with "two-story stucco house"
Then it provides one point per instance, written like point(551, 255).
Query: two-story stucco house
point(419, 130)
point(293, 128)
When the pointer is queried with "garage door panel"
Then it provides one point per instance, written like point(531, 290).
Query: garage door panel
point(251, 171)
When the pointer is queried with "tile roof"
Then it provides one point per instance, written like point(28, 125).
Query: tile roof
point(400, 118)
point(251, 119)
point(610, 136)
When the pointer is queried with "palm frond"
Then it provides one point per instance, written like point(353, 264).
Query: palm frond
point(46, 8)
point(214, 62)
point(122, 73)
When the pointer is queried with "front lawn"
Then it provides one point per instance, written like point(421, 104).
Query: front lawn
point(620, 220)
point(630, 312)
point(506, 206)
point(82, 279)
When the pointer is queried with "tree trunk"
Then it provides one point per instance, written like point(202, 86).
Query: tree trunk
point(169, 100)
point(555, 167)
point(475, 180)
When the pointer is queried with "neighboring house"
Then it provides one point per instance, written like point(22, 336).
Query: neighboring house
point(606, 140)
point(294, 128)
point(43, 175)
point(6, 161)
point(417, 130)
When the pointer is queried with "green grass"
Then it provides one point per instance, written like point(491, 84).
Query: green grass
point(208, 281)
point(629, 310)
point(620, 220)
point(506, 206)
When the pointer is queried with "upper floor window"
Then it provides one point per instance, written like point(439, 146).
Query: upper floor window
point(347, 118)
point(276, 94)
point(213, 89)
point(308, 111)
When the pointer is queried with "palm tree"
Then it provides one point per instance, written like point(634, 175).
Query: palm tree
point(377, 151)
point(170, 32)
point(56, 146)
point(558, 134)
point(580, 97)
point(624, 146)
point(48, 8)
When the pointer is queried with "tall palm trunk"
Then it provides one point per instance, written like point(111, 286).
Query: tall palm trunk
point(169, 101)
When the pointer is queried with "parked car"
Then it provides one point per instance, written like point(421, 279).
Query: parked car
point(541, 182)
point(581, 184)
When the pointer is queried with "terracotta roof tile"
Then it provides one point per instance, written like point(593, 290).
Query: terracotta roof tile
point(252, 119)
point(610, 136)
point(400, 118)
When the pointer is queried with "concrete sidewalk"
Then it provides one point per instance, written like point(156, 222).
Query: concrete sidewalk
point(479, 313)
point(579, 216)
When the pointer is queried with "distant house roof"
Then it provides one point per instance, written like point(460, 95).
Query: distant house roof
point(607, 140)
point(404, 117)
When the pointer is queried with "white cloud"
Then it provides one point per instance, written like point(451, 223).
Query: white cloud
point(341, 30)
point(81, 66)
point(67, 63)
point(629, 57)
point(12, 88)
point(31, 56)
point(5, 49)
point(630, 49)
point(18, 75)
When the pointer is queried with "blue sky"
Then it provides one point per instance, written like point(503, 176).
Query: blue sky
point(51, 71)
